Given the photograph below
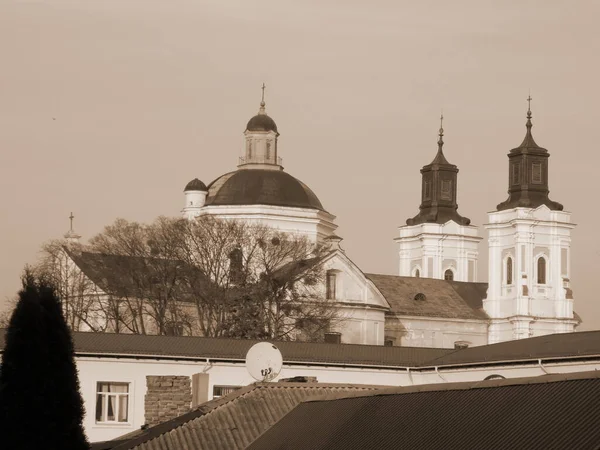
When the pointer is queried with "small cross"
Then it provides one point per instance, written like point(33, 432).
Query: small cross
point(71, 217)
point(529, 102)
point(263, 92)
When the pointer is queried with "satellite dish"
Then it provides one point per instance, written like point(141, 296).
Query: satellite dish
point(264, 361)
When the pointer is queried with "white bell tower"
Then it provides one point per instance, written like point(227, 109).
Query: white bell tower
point(439, 242)
point(529, 253)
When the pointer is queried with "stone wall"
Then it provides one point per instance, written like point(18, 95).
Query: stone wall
point(167, 397)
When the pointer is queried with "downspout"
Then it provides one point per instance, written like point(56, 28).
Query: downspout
point(542, 367)
point(410, 376)
point(439, 374)
point(207, 366)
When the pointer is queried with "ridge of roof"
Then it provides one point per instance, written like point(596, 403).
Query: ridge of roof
point(205, 410)
point(467, 385)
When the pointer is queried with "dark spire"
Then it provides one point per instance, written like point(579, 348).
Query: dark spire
point(438, 192)
point(528, 173)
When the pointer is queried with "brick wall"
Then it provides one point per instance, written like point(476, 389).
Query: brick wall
point(167, 397)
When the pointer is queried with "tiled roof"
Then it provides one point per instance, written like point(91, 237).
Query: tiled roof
point(447, 299)
point(236, 349)
point(233, 421)
point(545, 412)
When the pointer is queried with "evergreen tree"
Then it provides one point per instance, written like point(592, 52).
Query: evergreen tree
point(40, 402)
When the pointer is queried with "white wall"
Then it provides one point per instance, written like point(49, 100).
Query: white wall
point(442, 333)
point(93, 370)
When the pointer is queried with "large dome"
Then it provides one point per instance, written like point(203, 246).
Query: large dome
point(261, 187)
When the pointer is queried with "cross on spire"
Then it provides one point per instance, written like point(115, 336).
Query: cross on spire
point(263, 93)
point(71, 217)
point(529, 106)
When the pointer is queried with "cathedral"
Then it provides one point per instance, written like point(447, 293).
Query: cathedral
point(436, 299)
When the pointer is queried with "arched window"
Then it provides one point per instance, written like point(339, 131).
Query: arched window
point(541, 270)
point(268, 150)
point(448, 275)
point(417, 273)
point(509, 270)
point(330, 285)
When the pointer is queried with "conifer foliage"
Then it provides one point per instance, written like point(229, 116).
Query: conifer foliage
point(40, 401)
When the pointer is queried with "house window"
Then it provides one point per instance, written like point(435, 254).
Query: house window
point(236, 265)
point(268, 150)
point(112, 402)
point(509, 270)
point(333, 338)
point(331, 281)
point(174, 329)
point(388, 343)
point(449, 275)
point(541, 270)
point(220, 391)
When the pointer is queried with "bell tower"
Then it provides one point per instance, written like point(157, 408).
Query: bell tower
point(529, 252)
point(261, 134)
point(438, 242)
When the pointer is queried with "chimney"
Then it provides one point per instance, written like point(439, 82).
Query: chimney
point(167, 397)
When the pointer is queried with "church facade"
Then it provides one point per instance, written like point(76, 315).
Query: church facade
point(436, 299)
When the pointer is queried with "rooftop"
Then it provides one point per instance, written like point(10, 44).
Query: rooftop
point(545, 412)
point(583, 345)
point(230, 422)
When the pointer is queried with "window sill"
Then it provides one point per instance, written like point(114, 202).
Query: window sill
point(112, 425)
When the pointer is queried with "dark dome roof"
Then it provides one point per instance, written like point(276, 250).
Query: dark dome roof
point(261, 122)
point(261, 187)
point(195, 185)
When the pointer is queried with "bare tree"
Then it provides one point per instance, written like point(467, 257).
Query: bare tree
point(210, 276)
point(80, 297)
point(149, 282)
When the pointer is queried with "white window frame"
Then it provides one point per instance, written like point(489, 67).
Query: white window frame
point(105, 395)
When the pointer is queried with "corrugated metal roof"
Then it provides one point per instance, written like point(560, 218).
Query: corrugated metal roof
point(547, 412)
point(448, 299)
point(565, 345)
point(234, 421)
point(236, 349)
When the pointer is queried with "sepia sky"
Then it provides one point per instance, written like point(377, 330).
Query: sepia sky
point(109, 107)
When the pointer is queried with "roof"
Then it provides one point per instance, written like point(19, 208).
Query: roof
point(446, 299)
point(438, 194)
point(581, 344)
point(233, 421)
point(523, 191)
point(126, 275)
point(545, 412)
point(261, 122)
point(184, 347)
point(261, 187)
point(195, 185)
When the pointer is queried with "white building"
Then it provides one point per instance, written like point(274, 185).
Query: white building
point(436, 300)
point(529, 253)
point(124, 378)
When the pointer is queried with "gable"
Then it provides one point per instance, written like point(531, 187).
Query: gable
point(440, 298)
point(356, 286)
